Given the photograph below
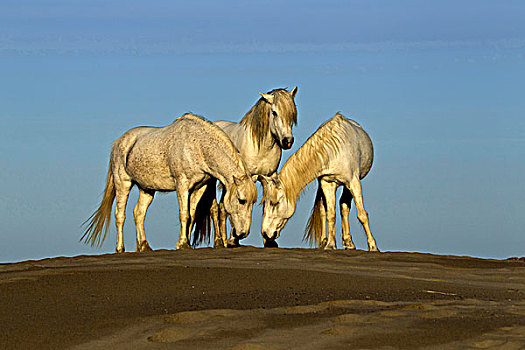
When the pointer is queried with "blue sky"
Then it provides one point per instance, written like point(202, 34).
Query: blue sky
point(437, 84)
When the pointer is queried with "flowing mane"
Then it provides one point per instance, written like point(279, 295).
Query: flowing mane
point(303, 166)
point(257, 117)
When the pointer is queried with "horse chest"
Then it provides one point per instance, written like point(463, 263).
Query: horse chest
point(263, 162)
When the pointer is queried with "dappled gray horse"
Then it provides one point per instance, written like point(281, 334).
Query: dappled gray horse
point(180, 157)
point(260, 136)
point(339, 153)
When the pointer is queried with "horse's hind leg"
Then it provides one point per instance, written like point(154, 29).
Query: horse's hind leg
point(355, 189)
point(145, 198)
point(329, 189)
point(344, 206)
point(122, 192)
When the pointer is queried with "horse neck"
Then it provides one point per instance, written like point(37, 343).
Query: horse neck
point(298, 171)
point(227, 168)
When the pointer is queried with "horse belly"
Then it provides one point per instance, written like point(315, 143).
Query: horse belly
point(149, 173)
point(157, 183)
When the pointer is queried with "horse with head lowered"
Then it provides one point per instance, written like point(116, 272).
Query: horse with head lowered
point(339, 153)
point(181, 157)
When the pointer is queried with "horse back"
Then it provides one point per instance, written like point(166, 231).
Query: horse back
point(348, 148)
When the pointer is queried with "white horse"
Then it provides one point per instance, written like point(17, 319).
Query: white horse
point(260, 137)
point(180, 157)
point(339, 153)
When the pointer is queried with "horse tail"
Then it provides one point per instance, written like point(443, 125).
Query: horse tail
point(202, 220)
point(314, 231)
point(99, 220)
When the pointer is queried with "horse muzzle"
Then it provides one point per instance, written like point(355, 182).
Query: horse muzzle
point(242, 235)
point(270, 236)
point(287, 142)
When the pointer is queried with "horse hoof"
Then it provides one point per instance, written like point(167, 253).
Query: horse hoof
point(373, 250)
point(348, 245)
point(233, 243)
point(144, 247)
point(120, 250)
point(182, 246)
point(330, 246)
point(218, 244)
point(270, 243)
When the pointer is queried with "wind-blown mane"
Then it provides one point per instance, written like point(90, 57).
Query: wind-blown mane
point(303, 166)
point(257, 117)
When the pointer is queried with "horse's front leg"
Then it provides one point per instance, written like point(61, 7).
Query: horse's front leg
point(184, 216)
point(218, 242)
point(223, 216)
point(329, 189)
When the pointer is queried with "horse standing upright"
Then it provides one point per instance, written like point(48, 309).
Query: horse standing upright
point(339, 153)
point(264, 131)
point(260, 137)
point(182, 157)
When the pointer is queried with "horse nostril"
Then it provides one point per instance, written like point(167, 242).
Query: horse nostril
point(287, 142)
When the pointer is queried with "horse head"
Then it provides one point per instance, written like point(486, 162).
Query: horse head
point(282, 115)
point(238, 202)
point(277, 208)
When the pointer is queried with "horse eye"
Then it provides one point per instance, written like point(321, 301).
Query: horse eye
point(274, 113)
point(242, 201)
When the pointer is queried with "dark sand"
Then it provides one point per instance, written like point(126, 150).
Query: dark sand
point(252, 298)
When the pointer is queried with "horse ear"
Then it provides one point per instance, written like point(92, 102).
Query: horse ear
point(267, 97)
point(293, 92)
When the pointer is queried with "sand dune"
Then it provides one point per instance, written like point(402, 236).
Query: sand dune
point(253, 298)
